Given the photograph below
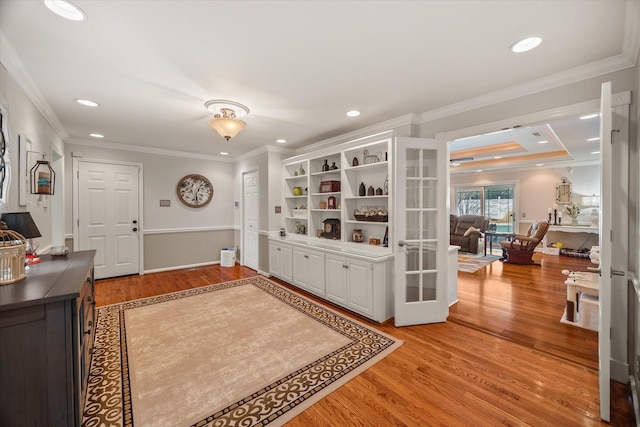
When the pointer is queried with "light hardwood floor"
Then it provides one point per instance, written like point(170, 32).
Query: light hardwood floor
point(502, 358)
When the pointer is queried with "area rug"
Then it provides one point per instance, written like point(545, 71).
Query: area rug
point(470, 263)
point(242, 353)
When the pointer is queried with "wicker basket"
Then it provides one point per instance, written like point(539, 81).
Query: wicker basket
point(12, 254)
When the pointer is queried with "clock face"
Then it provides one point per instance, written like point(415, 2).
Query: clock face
point(328, 227)
point(195, 191)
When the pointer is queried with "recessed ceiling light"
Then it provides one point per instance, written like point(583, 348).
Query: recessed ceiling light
point(479, 170)
point(595, 152)
point(66, 10)
point(281, 141)
point(543, 142)
point(497, 157)
point(87, 102)
point(224, 153)
point(454, 164)
point(589, 116)
point(594, 139)
point(96, 135)
point(525, 45)
point(353, 113)
point(539, 164)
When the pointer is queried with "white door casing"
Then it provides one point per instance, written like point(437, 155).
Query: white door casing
point(108, 215)
point(421, 230)
point(250, 248)
point(604, 322)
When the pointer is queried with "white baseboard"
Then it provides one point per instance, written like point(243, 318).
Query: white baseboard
point(181, 267)
point(619, 371)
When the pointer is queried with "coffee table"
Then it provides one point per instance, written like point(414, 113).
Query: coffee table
point(488, 237)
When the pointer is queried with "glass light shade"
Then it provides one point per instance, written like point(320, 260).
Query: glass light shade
point(226, 126)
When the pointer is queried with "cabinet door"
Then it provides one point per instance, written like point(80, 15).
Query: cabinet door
point(360, 286)
point(308, 270)
point(280, 261)
point(275, 260)
point(315, 272)
point(300, 269)
point(336, 280)
point(286, 270)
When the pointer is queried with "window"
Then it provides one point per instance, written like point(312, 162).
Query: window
point(494, 202)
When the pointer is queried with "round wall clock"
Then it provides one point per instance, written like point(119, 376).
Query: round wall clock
point(195, 191)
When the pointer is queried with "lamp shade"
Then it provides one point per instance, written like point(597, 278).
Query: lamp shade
point(591, 201)
point(22, 223)
point(227, 127)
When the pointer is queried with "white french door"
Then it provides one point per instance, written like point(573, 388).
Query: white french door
point(606, 191)
point(108, 216)
point(421, 231)
point(250, 245)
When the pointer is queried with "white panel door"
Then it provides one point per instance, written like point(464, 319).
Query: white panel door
point(421, 230)
point(108, 217)
point(250, 246)
point(606, 190)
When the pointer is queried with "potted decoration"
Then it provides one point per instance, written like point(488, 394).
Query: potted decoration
point(573, 211)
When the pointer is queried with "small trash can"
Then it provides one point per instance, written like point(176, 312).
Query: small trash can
point(228, 257)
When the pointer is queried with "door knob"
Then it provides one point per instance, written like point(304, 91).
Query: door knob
point(135, 222)
point(135, 229)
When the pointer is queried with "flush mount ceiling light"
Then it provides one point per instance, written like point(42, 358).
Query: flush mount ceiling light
point(281, 141)
point(543, 142)
point(96, 135)
point(353, 113)
point(594, 139)
point(525, 45)
point(225, 117)
point(66, 10)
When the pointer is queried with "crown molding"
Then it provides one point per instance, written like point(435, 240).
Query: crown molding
point(265, 149)
point(14, 66)
point(386, 126)
point(573, 75)
point(631, 40)
point(146, 150)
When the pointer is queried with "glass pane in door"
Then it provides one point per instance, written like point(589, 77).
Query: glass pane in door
point(498, 207)
point(469, 201)
point(421, 225)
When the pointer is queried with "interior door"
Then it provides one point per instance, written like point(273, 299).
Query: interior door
point(421, 230)
point(250, 245)
point(108, 217)
point(606, 190)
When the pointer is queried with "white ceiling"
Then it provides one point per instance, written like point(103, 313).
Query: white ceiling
point(298, 65)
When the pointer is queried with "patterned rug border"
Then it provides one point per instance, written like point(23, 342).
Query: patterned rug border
point(108, 400)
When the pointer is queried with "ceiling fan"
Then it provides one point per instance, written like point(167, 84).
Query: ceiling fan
point(456, 161)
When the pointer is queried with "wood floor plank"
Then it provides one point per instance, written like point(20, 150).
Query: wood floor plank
point(502, 358)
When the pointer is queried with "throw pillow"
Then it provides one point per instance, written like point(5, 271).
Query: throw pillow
point(471, 230)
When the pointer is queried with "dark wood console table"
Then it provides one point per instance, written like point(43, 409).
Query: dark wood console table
point(46, 338)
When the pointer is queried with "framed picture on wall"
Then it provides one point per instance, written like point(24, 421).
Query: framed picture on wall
point(563, 192)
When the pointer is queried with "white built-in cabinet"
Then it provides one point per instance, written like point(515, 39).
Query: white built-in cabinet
point(355, 275)
point(352, 166)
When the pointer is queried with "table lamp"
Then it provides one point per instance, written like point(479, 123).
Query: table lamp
point(22, 223)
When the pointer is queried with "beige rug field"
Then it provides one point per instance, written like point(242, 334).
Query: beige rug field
point(247, 352)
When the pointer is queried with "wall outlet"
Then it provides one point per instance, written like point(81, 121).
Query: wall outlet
point(278, 209)
point(524, 215)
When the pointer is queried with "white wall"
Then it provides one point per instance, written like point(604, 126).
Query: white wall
point(161, 176)
point(24, 118)
point(536, 187)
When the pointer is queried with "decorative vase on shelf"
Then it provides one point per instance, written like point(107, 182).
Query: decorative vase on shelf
point(574, 221)
point(355, 162)
point(362, 190)
point(333, 166)
point(386, 185)
point(301, 171)
point(325, 167)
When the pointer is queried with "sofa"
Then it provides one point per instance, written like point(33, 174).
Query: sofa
point(465, 231)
